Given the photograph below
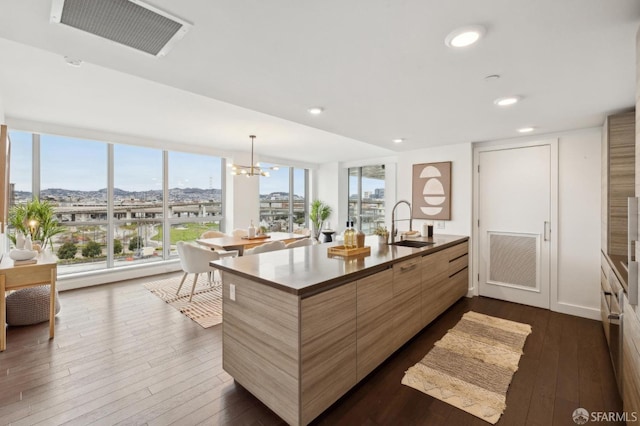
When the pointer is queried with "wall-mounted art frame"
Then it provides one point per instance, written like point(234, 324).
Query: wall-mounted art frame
point(431, 191)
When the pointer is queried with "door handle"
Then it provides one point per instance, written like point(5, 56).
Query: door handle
point(547, 231)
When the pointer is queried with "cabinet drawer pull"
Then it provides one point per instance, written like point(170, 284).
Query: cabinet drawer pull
point(408, 268)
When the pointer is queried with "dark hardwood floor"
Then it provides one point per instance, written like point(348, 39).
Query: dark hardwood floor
point(123, 356)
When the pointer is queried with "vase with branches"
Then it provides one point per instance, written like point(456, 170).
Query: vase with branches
point(318, 214)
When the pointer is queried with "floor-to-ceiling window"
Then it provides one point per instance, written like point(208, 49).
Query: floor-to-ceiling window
point(119, 204)
point(137, 204)
point(20, 167)
point(366, 197)
point(283, 199)
point(195, 196)
point(73, 177)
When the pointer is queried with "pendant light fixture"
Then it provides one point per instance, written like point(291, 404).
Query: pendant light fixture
point(254, 169)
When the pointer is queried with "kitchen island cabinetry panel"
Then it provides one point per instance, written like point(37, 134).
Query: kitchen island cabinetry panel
point(445, 279)
point(435, 276)
point(375, 336)
point(301, 328)
point(260, 343)
point(407, 320)
point(328, 348)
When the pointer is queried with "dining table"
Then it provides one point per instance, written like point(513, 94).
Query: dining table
point(230, 242)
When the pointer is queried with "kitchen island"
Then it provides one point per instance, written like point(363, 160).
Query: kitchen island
point(301, 328)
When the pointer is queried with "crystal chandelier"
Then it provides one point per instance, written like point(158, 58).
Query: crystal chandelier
point(254, 169)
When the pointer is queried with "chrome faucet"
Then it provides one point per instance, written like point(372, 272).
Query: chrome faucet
point(394, 231)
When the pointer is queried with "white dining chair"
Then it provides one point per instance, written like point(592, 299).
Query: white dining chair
point(300, 243)
point(272, 246)
point(195, 260)
point(239, 232)
point(303, 231)
point(212, 234)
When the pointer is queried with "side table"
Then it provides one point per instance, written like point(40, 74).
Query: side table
point(17, 277)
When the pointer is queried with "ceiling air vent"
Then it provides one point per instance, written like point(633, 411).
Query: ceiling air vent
point(129, 22)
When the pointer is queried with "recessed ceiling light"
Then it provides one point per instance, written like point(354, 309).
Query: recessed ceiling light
point(526, 129)
point(465, 36)
point(507, 101)
point(315, 110)
point(398, 140)
point(491, 78)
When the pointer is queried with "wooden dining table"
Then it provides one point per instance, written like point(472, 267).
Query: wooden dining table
point(230, 242)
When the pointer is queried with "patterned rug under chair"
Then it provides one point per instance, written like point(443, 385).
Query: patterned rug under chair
point(206, 305)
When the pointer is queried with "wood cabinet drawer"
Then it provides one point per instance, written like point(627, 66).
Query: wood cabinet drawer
point(459, 284)
point(435, 266)
point(457, 250)
point(407, 275)
point(458, 264)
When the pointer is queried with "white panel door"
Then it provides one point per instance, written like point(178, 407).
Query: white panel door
point(514, 205)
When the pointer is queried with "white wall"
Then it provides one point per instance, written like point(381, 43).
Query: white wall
point(578, 228)
point(579, 178)
point(460, 156)
point(1, 111)
point(328, 184)
point(331, 185)
point(243, 198)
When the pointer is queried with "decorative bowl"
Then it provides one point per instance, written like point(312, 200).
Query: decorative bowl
point(22, 254)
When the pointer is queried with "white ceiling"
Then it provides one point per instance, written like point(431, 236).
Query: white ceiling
point(380, 69)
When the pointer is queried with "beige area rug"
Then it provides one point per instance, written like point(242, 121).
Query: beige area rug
point(206, 305)
point(471, 367)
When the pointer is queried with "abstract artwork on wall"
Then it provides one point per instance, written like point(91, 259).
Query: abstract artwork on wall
point(432, 191)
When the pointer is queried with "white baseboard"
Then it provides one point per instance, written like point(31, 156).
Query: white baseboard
point(578, 311)
point(105, 276)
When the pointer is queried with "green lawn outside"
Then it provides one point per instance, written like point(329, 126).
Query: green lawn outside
point(186, 232)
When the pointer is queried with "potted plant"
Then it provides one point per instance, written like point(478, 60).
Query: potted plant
point(319, 213)
point(382, 233)
point(36, 218)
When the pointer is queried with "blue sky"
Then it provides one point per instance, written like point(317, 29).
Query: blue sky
point(82, 165)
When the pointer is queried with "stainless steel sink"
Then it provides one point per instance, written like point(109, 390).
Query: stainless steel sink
point(413, 243)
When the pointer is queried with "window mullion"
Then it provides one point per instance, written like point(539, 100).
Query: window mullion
point(290, 199)
point(166, 226)
point(306, 198)
point(110, 207)
point(359, 201)
point(35, 165)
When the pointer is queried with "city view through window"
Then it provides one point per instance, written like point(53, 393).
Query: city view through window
point(283, 199)
point(135, 225)
point(366, 197)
